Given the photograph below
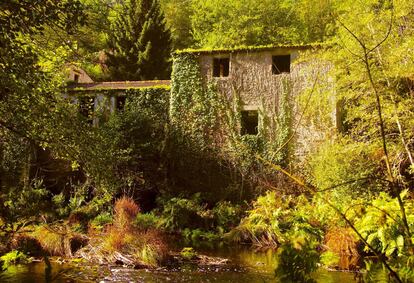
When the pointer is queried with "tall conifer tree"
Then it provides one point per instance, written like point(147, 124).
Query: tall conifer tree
point(139, 42)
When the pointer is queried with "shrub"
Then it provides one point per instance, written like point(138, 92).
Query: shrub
point(101, 220)
point(381, 224)
point(146, 221)
point(13, 257)
point(179, 213)
point(188, 253)
point(298, 258)
point(351, 166)
point(262, 225)
point(226, 214)
point(275, 219)
point(198, 235)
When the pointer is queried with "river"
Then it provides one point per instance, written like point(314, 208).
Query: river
point(245, 266)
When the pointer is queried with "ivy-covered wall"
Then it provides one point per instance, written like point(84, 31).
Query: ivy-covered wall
point(205, 111)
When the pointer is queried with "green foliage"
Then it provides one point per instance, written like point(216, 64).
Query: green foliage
point(128, 145)
point(381, 27)
point(19, 208)
point(101, 220)
point(139, 42)
point(297, 260)
point(178, 17)
point(219, 24)
point(146, 221)
point(195, 221)
point(192, 108)
point(329, 259)
point(226, 214)
point(347, 168)
point(381, 225)
point(13, 257)
point(275, 220)
point(181, 212)
point(197, 236)
point(188, 253)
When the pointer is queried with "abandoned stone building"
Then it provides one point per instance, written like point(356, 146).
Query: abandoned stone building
point(258, 82)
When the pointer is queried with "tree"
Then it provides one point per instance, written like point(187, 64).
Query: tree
point(33, 113)
point(139, 42)
point(178, 17)
point(249, 22)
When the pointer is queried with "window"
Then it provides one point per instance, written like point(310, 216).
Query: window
point(249, 122)
point(76, 78)
point(221, 67)
point(280, 64)
point(120, 102)
point(86, 107)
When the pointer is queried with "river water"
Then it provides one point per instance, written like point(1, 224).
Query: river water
point(246, 266)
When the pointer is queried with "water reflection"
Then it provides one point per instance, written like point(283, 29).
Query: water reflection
point(246, 266)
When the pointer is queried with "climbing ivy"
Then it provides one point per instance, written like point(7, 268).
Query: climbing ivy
point(193, 108)
point(208, 123)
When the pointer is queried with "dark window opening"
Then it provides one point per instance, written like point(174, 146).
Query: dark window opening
point(249, 122)
point(120, 102)
point(221, 67)
point(280, 64)
point(76, 78)
point(86, 107)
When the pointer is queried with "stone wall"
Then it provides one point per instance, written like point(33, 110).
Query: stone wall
point(252, 81)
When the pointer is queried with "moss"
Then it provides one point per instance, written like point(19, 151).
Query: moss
point(245, 49)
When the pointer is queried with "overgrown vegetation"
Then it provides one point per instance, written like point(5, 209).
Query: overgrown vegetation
point(173, 162)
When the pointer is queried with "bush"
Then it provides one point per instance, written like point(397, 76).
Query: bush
point(179, 213)
point(298, 258)
point(146, 221)
point(13, 257)
point(188, 253)
point(381, 224)
point(226, 215)
point(199, 235)
point(101, 220)
point(351, 167)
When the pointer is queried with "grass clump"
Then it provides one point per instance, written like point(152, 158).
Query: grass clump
point(126, 240)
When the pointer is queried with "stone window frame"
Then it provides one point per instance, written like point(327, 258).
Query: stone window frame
point(219, 57)
point(251, 108)
point(275, 70)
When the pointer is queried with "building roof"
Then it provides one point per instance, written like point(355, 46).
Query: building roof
point(246, 49)
point(118, 85)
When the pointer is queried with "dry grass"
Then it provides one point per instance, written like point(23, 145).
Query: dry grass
point(27, 244)
point(51, 242)
point(341, 241)
point(125, 211)
point(123, 243)
point(59, 240)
